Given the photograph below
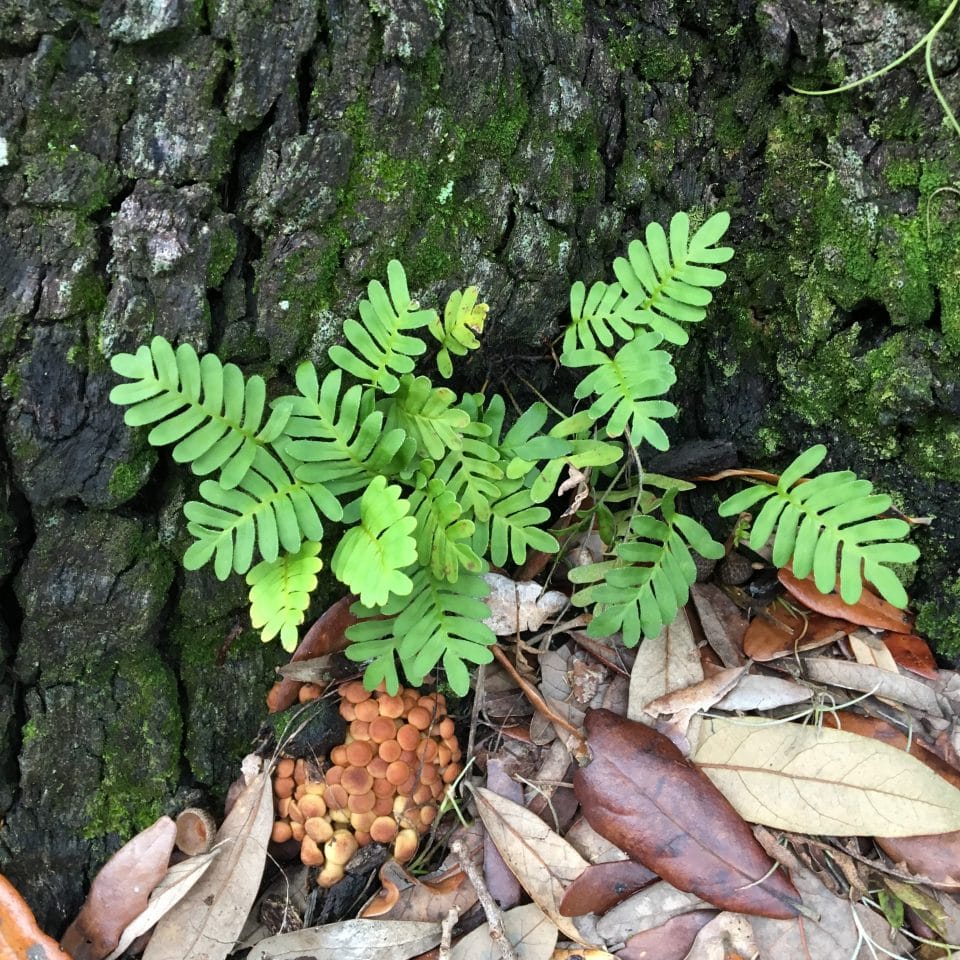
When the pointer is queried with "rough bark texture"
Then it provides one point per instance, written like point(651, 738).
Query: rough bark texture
point(231, 173)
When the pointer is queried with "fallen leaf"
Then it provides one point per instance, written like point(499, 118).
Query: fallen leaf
point(670, 941)
point(833, 934)
point(590, 845)
point(177, 881)
point(20, 937)
point(603, 885)
point(120, 891)
point(908, 691)
point(778, 632)
point(728, 936)
point(206, 923)
point(723, 622)
point(528, 929)
point(641, 794)
point(520, 607)
point(326, 635)
point(351, 940)
point(541, 860)
point(869, 649)
point(502, 884)
point(670, 661)
point(912, 653)
point(935, 858)
point(764, 693)
point(647, 910)
point(698, 696)
point(429, 899)
point(824, 781)
point(869, 611)
point(927, 908)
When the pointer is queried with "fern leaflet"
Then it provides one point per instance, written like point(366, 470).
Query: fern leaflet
point(382, 348)
point(205, 407)
point(427, 414)
point(371, 557)
point(463, 318)
point(623, 385)
point(816, 518)
point(514, 525)
point(436, 621)
point(442, 533)
point(641, 590)
point(280, 593)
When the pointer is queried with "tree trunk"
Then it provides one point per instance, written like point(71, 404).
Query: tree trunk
point(232, 174)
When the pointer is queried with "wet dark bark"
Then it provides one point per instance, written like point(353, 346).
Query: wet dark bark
point(232, 173)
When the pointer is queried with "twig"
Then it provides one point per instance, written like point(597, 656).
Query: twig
point(446, 933)
point(490, 908)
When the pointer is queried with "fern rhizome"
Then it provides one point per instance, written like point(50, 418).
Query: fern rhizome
point(433, 488)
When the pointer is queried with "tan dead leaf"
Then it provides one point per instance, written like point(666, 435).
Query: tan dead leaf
point(519, 607)
point(351, 940)
point(670, 661)
point(723, 622)
point(205, 924)
point(764, 693)
point(541, 860)
point(823, 781)
point(869, 649)
point(175, 885)
point(651, 907)
point(779, 632)
point(120, 891)
point(727, 935)
point(912, 653)
point(698, 696)
point(528, 929)
point(908, 691)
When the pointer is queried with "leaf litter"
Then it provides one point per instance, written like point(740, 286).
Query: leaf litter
point(848, 756)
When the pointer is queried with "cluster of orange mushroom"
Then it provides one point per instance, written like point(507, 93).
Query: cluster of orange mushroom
point(384, 784)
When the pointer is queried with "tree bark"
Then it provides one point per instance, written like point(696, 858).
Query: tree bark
point(232, 174)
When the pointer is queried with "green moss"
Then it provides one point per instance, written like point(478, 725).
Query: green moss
point(127, 478)
point(900, 173)
point(933, 449)
point(223, 250)
point(939, 620)
point(569, 14)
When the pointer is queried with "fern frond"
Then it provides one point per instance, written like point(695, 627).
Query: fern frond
point(662, 284)
point(436, 621)
point(426, 413)
point(443, 534)
point(812, 520)
point(268, 510)
point(463, 318)
point(341, 441)
point(371, 557)
point(648, 581)
point(472, 475)
point(623, 385)
point(382, 349)
point(205, 407)
point(280, 593)
point(513, 526)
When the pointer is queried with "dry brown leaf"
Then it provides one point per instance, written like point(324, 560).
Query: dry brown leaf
point(603, 885)
point(822, 781)
point(174, 886)
point(519, 607)
point(429, 899)
point(502, 884)
point(698, 696)
point(755, 692)
point(778, 632)
point(351, 940)
point(646, 910)
point(528, 929)
point(669, 941)
point(869, 611)
point(20, 937)
point(205, 924)
point(727, 936)
point(120, 891)
point(670, 661)
point(908, 691)
point(869, 649)
point(723, 622)
point(541, 860)
point(912, 653)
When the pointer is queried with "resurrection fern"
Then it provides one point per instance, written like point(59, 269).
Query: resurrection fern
point(811, 520)
point(432, 488)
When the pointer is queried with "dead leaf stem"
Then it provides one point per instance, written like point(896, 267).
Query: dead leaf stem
point(446, 932)
point(490, 908)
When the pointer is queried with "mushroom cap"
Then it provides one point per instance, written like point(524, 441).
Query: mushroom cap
point(383, 829)
point(367, 710)
point(391, 707)
point(330, 874)
point(281, 832)
point(420, 717)
point(389, 751)
point(340, 847)
point(408, 736)
point(283, 786)
point(285, 767)
point(318, 829)
point(354, 692)
point(312, 806)
point(310, 853)
point(405, 845)
point(360, 753)
point(356, 780)
point(382, 728)
point(397, 772)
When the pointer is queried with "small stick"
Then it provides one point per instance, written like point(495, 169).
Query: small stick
point(494, 917)
point(446, 933)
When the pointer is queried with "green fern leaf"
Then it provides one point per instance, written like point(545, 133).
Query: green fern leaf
point(342, 442)
point(437, 621)
point(463, 318)
point(280, 593)
point(268, 510)
point(381, 347)
point(442, 533)
point(426, 413)
point(829, 518)
point(472, 476)
point(623, 385)
point(599, 315)
point(370, 559)
point(514, 526)
point(206, 408)
point(641, 590)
